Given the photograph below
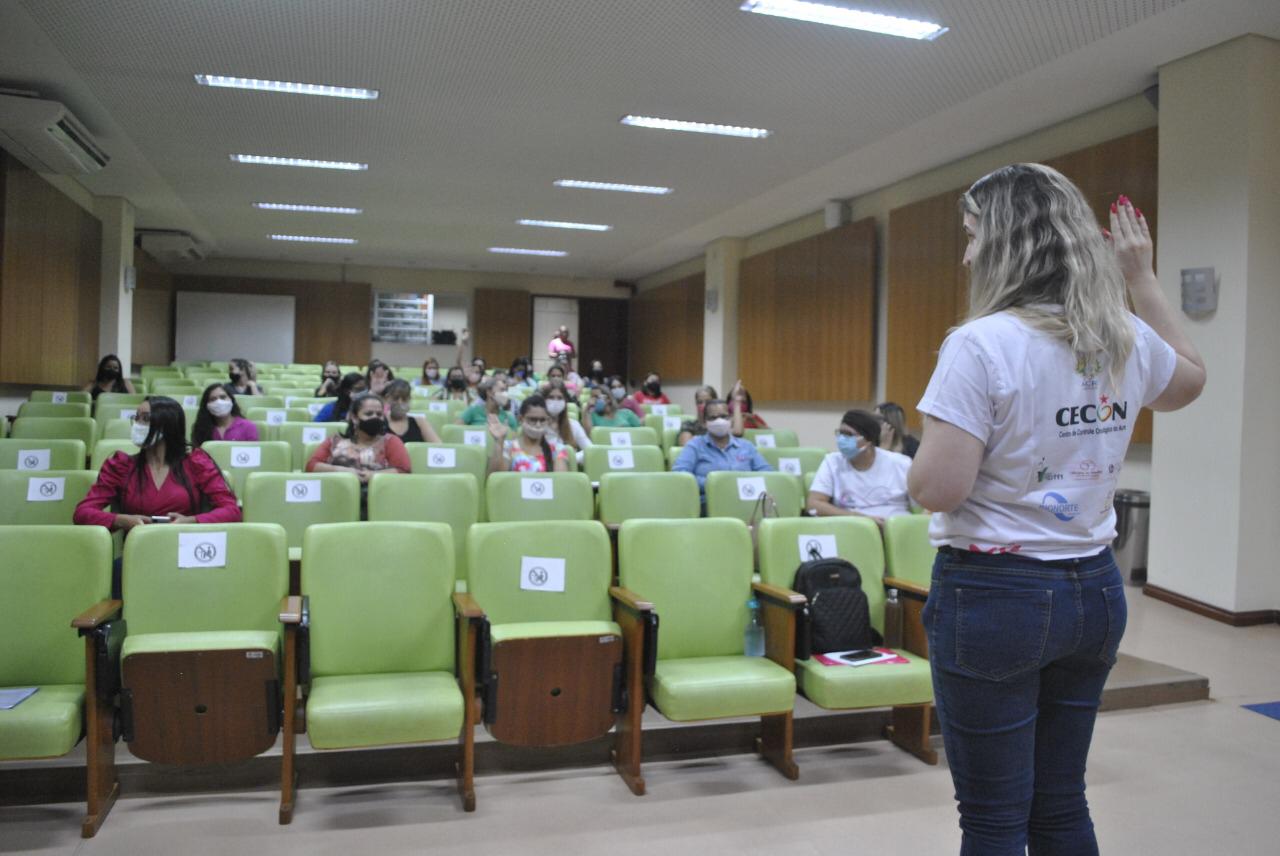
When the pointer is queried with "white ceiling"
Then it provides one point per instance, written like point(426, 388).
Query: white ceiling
point(486, 102)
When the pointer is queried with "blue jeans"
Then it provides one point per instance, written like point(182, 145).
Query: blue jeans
point(1020, 650)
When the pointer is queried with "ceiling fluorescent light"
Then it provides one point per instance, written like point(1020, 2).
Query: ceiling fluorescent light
point(563, 224)
point(609, 185)
point(517, 251)
point(840, 16)
point(313, 239)
point(695, 127)
point(308, 209)
point(226, 82)
point(269, 160)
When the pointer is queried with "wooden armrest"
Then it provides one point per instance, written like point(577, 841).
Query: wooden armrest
point(779, 595)
point(465, 606)
point(630, 599)
point(906, 587)
point(291, 609)
point(103, 610)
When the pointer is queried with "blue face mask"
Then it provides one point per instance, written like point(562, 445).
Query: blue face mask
point(599, 405)
point(848, 446)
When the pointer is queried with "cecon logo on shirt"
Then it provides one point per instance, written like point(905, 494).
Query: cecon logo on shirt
point(1058, 505)
point(1089, 414)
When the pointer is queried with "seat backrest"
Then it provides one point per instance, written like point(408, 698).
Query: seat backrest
point(673, 452)
point(467, 435)
point(52, 409)
point(433, 459)
point(80, 428)
point(273, 402)
point(238, 574)
point(779, 437)
point(796, 460)
point(908, 554)
point(734, 494)
point(105, 411)
point(298, 500)
point(856, 539)
point(40, 454)
point(513, 497)
point(624, 496)
point(58, 395)
point(50, 574)
point(661, 409)
point(605, 436)
point(380, 597)
point(299, 434)
point(598, 460)
point(531, 572)
point(697, 574)
point(273, 416)
point(110, 399)
point(105, 448)
point(451, 498)
point(242, 457)
point(116, 429)
point(666, 427)
point(47, 497)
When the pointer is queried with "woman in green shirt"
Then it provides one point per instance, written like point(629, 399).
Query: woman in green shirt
point(493, 401)
point(603, 412)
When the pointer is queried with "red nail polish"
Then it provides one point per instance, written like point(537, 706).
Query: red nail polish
point(1124, 200)
point(1106, 234)
point(1139, 210)
point(1113, 208)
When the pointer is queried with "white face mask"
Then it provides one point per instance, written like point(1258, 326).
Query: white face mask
point(138, 433)
point(219, 407)
point(718, 427)
point(501, 399)
point(533, 432)
point(555, 406)
point(618, 393)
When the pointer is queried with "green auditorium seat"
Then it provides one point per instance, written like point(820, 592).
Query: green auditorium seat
point(467, 435)
point(667, 428)
point(771, 437)
point(42, 497)
point(661, 409)
point(299, 434)
point(606, 436)
point(105, 448)
point(796, 460)
point(735, 494)
point(624, 496)
point(40, 454)
point(598, 460)
point(906, 687)
point(512, 497)
point(55, 578)
point(451, 458)
point(696, 574)
point(267, 402)
point(451, 498)
point(58, 396)
point(271, 417)
point(380, 666)
point(52, 409)
point(80, 428)
point(908, 555)
point(298, 501)
point(242, 457)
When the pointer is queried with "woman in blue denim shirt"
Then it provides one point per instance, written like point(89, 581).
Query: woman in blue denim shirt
point(1028, 417)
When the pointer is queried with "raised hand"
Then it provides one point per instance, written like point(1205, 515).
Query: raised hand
point(1131, 238)
point(497, 428)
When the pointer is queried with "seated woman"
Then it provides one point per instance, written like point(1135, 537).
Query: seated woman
point(365, 448)
point(244, 377)
point(164, 482)
point(377, 376)
point(530, 450)
point(603, 411)
point(618, 390)
point(336, 411)
point(595, 376)
point(741, 410)
point(893, 430)
point(861, 479)
point(455, 387)
point(430, 379)
point(521, 373)
point(219, 418)
point(493, 402)
point(650, 392)
point(330, 377)
point(718, 449)
point(696, 426)
point(563, 429)
point(410, 429)
point(110, 378)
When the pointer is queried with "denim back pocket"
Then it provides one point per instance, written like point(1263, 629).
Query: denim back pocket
point(1117, 617)
point(1001, 632)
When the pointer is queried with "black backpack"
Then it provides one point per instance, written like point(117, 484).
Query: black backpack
point(839, 617)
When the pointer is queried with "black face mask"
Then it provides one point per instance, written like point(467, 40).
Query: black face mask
point(653, 388)
point(457, 383)
point(333, 378)
point(235, 377)
point(108, 374)
point(373, 426)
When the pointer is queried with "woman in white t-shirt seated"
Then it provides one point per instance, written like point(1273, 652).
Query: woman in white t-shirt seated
point(861, 479)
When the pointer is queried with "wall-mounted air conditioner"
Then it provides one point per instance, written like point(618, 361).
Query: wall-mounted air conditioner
point(46, 137)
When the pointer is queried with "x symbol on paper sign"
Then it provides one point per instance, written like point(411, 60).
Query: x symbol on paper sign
point(242, 458)
point(299, 490)
point(616, 461)
point(48, 489)
point(206, 552)
point(814, 549)
point(748, 489)
point(538, 576)
point(438, 460)
point(537, 488)
point(31, 462)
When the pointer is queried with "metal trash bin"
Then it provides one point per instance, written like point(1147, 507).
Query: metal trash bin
point(1133, 528)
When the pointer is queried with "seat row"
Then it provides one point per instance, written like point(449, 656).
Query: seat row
point(377, 647)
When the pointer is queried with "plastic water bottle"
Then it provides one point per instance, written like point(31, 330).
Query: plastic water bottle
point(753, 637)
point(893, 620)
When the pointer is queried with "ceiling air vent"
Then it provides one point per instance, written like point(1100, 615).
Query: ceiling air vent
point(167, 246)
point(46, 137)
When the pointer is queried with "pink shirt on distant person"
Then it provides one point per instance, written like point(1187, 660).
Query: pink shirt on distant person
point(239, 429)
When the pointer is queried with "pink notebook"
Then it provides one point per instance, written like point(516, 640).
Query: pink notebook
point(827, 661)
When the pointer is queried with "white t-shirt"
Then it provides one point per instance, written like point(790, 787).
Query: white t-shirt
point(1055, 436)
point(878, 491)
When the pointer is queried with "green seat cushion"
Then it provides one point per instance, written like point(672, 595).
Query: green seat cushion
point(718, 687)
point(208, 640)
point(346, 711)
point(46, 725)
point(885, 685)
point(543, 629)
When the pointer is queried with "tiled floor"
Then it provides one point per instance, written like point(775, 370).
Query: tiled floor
point(1198, 778)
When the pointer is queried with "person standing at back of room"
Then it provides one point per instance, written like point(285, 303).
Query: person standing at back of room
point(560, 349)
point(1028, 417)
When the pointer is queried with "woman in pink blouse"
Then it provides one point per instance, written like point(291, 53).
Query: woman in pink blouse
point(365, 448)
point(219, 418)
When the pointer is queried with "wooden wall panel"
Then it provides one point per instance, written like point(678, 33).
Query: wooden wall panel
point(331, 319)
point(603, 334)
point(666, 331)
point(502, 328)
point(50, 255)
point(810, 303)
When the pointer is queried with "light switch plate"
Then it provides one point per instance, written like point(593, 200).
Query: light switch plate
point(1199, 291)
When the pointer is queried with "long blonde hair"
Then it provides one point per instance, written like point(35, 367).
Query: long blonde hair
point(1040, 247)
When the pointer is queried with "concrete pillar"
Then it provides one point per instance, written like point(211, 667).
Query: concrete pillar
point(720, 322)
point(1215, 469)
point(115, 309)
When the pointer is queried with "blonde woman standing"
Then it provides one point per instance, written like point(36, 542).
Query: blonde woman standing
point(1028, 416)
